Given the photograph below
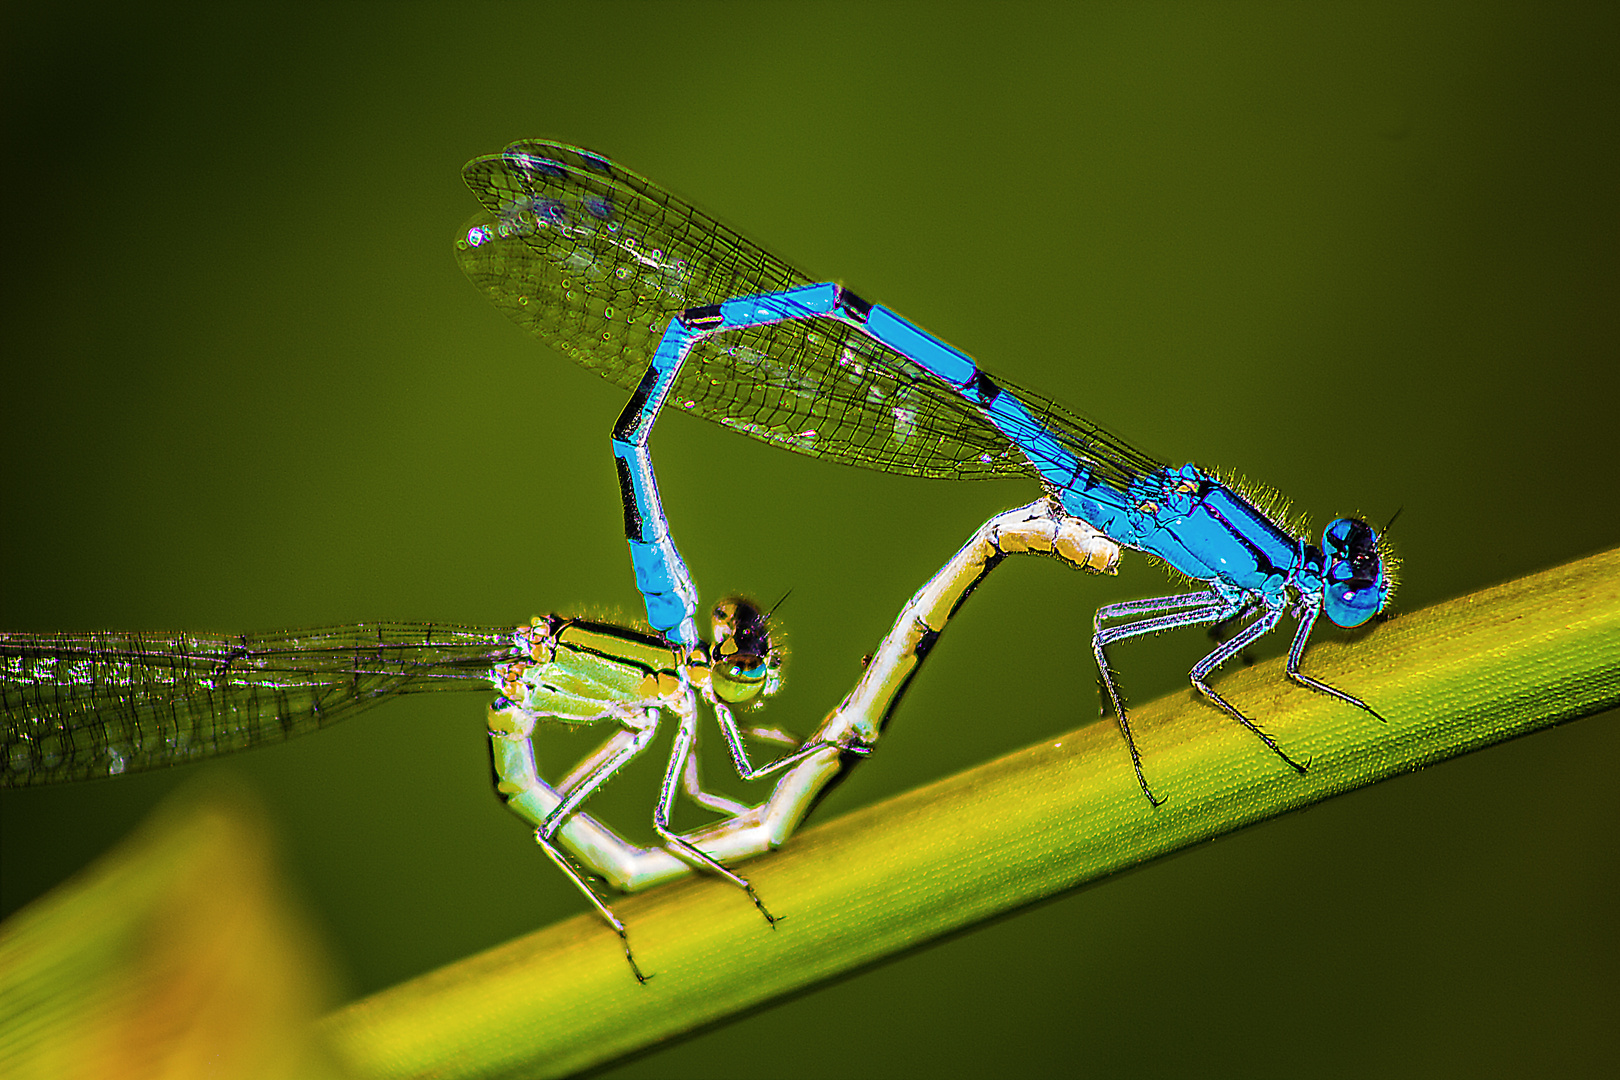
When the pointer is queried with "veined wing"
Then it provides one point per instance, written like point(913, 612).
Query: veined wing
point(81, 706)
point(595, 260)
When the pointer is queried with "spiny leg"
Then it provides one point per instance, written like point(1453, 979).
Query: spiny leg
point(1296, 651)
point(1156, 605)
point(739, 753)
point(685, 734)
point(1221, 633)
point(1206, 607)
point(625, 745)
point(1261, 626)
point(566, 865)
point(780, 736)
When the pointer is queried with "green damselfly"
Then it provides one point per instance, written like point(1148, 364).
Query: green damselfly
point(80, 706)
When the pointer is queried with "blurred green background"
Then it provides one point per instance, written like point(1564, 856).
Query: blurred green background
point(1368, 256)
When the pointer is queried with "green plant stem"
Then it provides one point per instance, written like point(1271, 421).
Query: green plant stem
point(1450, 679)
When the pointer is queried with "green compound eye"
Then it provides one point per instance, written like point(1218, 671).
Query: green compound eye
point(739, 678)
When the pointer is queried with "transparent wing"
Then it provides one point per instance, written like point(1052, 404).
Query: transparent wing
point(595, 260)
point(80, 706)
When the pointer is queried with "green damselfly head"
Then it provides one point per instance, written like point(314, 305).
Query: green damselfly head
point(746, 666)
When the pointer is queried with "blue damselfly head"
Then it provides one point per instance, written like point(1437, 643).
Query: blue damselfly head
point(1355, 582)
point(745, 665)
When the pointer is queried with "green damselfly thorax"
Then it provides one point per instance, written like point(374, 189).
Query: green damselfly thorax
point(81, 706)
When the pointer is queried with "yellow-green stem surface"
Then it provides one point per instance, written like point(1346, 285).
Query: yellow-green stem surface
point(1450, 679)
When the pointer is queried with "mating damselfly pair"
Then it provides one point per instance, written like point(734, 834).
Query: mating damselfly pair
point(664, 301)
point(81, 706)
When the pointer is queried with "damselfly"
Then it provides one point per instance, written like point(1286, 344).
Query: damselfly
point(663, 300)
point(79, 706)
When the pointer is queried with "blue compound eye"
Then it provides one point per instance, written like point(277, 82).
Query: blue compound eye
point(1353, 601)
point(1354, 588)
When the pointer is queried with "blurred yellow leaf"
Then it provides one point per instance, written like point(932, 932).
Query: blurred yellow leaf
point(174, 956)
